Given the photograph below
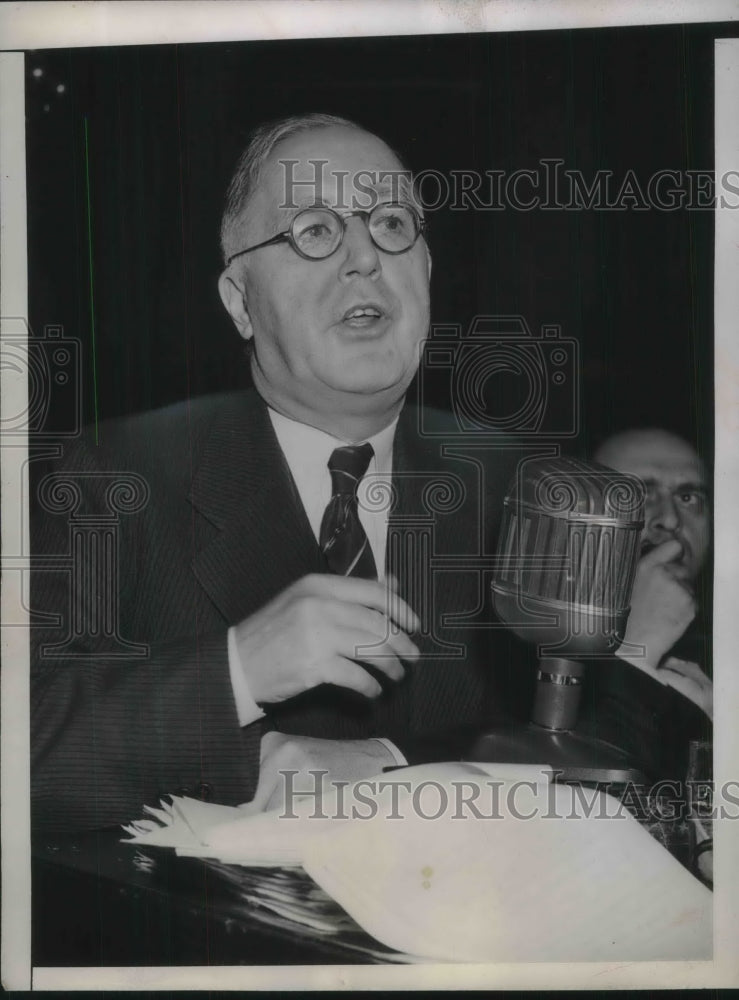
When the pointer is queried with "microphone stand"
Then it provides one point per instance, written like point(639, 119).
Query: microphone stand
point(550, 737)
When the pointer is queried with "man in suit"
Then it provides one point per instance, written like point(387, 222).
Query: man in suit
point(254, 589)
point(657, 694)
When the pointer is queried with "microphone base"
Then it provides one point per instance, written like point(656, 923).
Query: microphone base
point(572, 757)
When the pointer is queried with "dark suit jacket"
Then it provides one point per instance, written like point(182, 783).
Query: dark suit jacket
point(222, 532)
point(652, 722)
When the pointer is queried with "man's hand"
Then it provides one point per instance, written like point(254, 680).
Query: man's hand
point(318, 763)
point(310, 633)
point(662, 605)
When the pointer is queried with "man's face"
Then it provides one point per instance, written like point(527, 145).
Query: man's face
point(677, 502)
point(316, 353)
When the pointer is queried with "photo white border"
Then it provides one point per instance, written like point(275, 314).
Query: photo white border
point(61, 25)
point(726, 491)
point(68, 25)
point(15, 814)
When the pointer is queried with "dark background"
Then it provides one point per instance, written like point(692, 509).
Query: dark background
point(152, 133)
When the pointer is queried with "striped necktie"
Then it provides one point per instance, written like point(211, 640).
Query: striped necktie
point(342, 538)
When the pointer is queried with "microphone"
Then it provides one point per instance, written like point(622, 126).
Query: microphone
point(568, 552)
point(567, 556)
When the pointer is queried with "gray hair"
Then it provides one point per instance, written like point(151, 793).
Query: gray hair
point(251, 162)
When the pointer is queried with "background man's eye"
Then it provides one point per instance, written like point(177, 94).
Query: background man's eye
point(691, 499)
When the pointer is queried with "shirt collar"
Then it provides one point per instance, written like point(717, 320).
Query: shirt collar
point(308, 448)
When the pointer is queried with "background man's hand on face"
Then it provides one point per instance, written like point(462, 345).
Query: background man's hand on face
point(676, 504)
point(662, 604)
point(311, 632)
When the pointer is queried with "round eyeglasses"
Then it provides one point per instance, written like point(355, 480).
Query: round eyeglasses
point(316, 233)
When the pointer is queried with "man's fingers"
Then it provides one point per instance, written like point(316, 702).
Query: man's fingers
point(364, 646)
point(356, 618)
point(401, 613)
point(677, 572)
point(347, 674)
point(402, 645)
point(369, 593)
point(663, 553)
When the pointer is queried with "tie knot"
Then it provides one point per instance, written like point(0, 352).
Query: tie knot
point(347, 465)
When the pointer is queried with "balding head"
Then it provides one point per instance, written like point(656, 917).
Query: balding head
point(677, 501)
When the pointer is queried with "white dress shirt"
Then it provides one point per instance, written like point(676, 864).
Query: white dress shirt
point(307, 451)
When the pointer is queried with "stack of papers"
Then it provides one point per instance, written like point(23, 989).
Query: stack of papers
point(469, 862)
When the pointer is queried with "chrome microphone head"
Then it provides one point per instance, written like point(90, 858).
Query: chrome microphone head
point(567, 555)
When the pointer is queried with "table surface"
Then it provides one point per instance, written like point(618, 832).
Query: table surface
point(100, 902)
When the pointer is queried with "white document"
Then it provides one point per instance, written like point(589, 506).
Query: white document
point(469, 862)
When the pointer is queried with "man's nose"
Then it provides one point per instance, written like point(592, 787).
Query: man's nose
point(663, 517)
point(360, 255)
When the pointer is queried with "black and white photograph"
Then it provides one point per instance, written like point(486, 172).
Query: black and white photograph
point(369, 411)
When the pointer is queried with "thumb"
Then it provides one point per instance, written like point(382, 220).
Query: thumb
point(664, 553)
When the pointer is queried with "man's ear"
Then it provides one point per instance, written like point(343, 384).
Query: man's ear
point(234, 299)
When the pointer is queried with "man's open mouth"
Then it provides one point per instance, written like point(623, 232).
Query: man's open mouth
point(363, 315)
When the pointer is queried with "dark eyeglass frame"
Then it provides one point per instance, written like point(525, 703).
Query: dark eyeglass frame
point(287, 235)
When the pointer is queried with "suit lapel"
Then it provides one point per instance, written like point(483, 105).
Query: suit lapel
point(263, 541)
